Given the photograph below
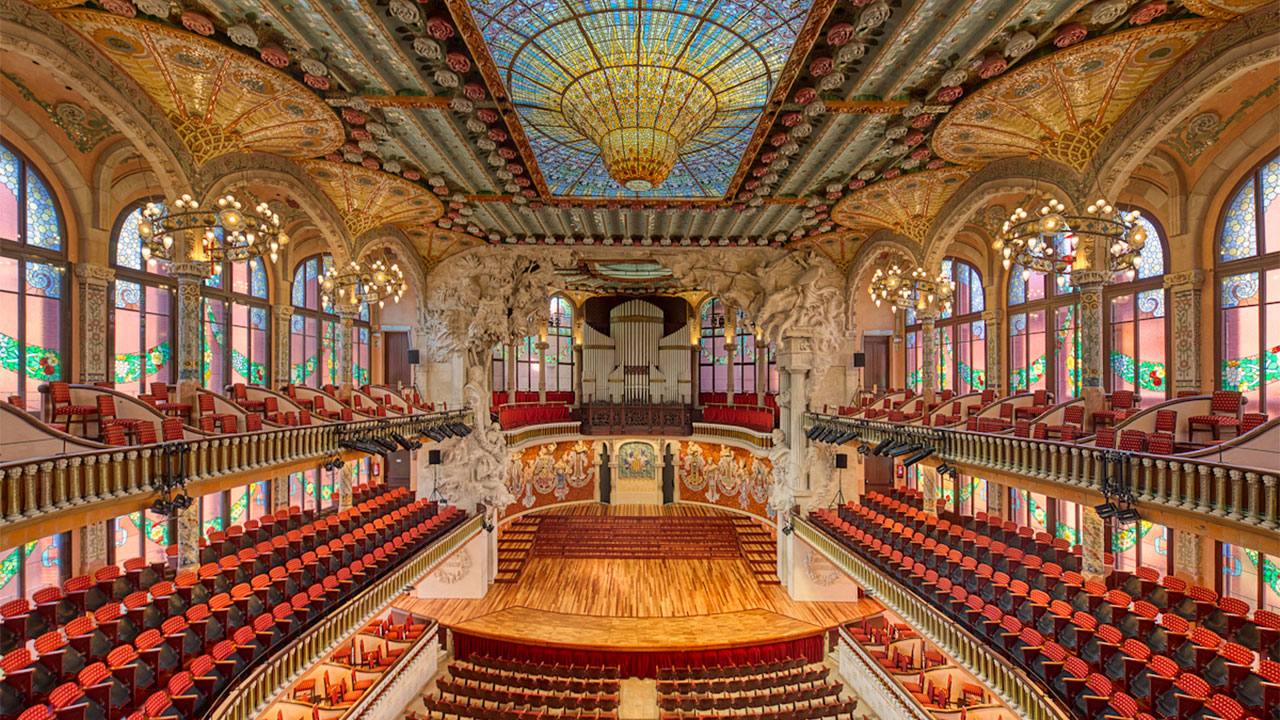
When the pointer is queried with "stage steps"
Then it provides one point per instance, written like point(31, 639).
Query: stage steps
point(636, 537)
point(760, 549)
point(515, 540)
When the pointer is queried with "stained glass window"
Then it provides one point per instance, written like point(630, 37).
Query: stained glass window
point(32, 282)
point(1249, 290)
point(1045, 303)
point(313, 346)
point(143, 303)
point(961, 334)
point(915, 361)
point(1137, 322)
point(360, 356)
point(744, 357)
point(560, 346)
point(713, 356)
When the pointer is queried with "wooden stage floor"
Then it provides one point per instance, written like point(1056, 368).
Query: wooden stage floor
point(639, 605)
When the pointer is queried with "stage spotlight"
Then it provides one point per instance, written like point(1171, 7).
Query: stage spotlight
point(884, 444)
point(864, 450)
point(917, 457)
point(1107, 510)
point(459, 428)
point(1128, 515)
point(902, 449)
point(812, 432)
point(160, 507)
point(386, 444)
point(404, 442)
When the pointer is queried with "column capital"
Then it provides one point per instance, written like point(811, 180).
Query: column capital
point(992, 316)
point(189, 270)
point(1194, 279)
point(1085, 278)
point(91, 273)
point(282, 311)
point(926, 317)
point(347, 311)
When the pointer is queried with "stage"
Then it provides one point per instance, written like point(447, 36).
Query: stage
point(657, 607)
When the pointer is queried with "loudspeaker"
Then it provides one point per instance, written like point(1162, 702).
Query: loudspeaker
point(413, 357)
point(859, 359)
point(433, 457)
point(842, 461)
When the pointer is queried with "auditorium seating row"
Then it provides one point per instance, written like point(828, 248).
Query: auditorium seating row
point(514, 416)
point(753, 418)
point(525, 396)
point(917, 665)
point(756, 399)
point(789, 689)
point(114, 647)
point(636, 537)
point(1143, 646)
point(524, 691)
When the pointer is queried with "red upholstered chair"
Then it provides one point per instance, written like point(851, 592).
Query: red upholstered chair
point(160, 391)
point(60, 397)
point(241, 395)
point(1132, 440)
point(1105, 438)
point(1121, 407)
point(171, 429)
point(1251, 421)
point(114, 435)
point(1225, 413)
point(1072, 418)
point(1039, 404)
point(107, 415)
point(145, 433)
point(1160, 444)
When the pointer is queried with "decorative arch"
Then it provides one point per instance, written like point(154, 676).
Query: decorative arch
point(393, 238)
point(43, 152)
point(34, 33)
point(112, 197)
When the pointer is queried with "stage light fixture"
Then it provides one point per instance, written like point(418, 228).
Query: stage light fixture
point(1107, 510)
point(902, 449)
point(917, 457)
point(1128, 515)
point(812, 432)
point(863, 450)
point(882, 446)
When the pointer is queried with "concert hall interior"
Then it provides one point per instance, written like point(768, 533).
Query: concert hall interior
point(640, 360)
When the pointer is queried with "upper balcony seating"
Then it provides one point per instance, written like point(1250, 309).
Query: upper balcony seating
point(292, 391)
point(988, 397)
point(547, 691)
point(1122, 404)
point(1039, 405)
point(759, 419)
point(183, 639)
point(160, 391)
point(60, 400)
point(1171, 649)
point(240, 394)
point(514, 416)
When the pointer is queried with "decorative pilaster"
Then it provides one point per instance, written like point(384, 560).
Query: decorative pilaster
point(542, 371)
point(510, 367)
point(993, 326)
point(928, 354)
point(189, 538)
point(282, 320)
point(1188, 555)
point(94, 309)
point(731, 356)
point(1185, 289)
point(1091, 540)
point(189, 276)
point(279, 493)
point(346, 346)
point(1089, 330)
point(577, 373)
point(929, 489)
point(346, 480)
point(93, 547)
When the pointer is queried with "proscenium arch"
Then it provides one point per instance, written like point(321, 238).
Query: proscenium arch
point(41, 37)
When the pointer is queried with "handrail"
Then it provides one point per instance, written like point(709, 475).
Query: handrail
point(1025, 696)
point(36, 486)
point(1230, 492)
point(259, 687)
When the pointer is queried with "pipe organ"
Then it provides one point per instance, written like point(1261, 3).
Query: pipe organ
point(635, 363)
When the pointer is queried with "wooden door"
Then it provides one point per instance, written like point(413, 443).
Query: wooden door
point(396, 359)
point(876, 373)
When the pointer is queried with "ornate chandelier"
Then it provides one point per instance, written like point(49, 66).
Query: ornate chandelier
point(1049, 240)
point(225, 232)
point(358, 283)
point(640, 116)
point(912, 290)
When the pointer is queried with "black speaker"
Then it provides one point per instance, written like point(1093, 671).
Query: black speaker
point(859, 359)
point(413, 357)
point(842, 461)
point(433, 457)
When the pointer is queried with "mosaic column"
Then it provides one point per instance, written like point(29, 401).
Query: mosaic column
point(346, 480)
point(929, 489)
point(95, 309)
point(189, 538)
point(1188, 555)
point(189, 276)
point(731, 355)
point(93, 547)
point(928, 355)
point(1185, 290)
point(282, 319)
point(993, 327)
point(577, 374)
point(346, 346)
point(280, 493)
point(1089, 329)
point(510, 367)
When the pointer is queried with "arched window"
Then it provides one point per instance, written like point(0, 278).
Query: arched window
point(313, 342)
point(1137, 344)
point(713, 357)
point(1248, 297)
point(33, 269)
point(1044, 337)
point(961, 333)
point(142, 333)
point(560, 346)
point(237, 325)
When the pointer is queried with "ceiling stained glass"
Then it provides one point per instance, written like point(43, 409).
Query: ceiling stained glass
point(660, 94)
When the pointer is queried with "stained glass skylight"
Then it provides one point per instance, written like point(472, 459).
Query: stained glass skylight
point(649, 81)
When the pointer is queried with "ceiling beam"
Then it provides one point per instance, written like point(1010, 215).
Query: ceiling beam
point(865, 107)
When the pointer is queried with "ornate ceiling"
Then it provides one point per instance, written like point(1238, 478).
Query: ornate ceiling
point(801, 123)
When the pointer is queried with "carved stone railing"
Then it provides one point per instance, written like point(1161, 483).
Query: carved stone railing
point(250, 694)
point(1230, 492)
point(1020, 692)
point(879, 690)
point(37, 486)
point(539, 433)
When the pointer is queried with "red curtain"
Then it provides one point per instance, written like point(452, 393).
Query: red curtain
point(637, 664)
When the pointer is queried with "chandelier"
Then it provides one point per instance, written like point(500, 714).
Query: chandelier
point(913, 290)
point(640, 116)
point(1048, 241)
point(358, 283)
point(225, 232)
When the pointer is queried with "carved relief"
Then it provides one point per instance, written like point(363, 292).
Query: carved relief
point(819, 570)
point(455, 568)
point(94, 280)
